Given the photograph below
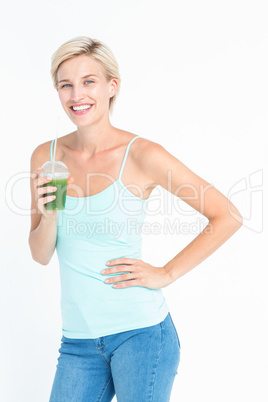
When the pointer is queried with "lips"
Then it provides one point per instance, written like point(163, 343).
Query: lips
point(81, 109)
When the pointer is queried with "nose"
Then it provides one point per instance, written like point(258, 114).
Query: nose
point(77, 93)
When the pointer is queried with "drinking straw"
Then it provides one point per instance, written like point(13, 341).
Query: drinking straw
point(57, 132)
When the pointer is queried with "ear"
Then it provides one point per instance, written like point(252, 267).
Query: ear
point(113, 87)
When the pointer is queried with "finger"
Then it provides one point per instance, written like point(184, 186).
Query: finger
point(115, 270)
point(42, 180)
point(43, 200)
point(121, 261)
point(120, 278)
point(36, 173)
point(70, 180)
point(127, 284)
point(46, 189)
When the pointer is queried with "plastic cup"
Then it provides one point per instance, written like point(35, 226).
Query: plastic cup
point(59, 180)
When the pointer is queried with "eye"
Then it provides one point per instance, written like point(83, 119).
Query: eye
point(88, 82)
point(66, 85)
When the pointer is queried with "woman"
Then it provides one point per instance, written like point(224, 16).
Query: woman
point(118, 336)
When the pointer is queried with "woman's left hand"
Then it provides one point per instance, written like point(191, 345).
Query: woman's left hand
point(139, 274)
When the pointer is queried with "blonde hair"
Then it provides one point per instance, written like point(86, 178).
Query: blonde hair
point(91, 47)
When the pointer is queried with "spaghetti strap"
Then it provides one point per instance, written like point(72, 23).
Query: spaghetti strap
point(51, 150)
point(124, 160)
point(125, 157)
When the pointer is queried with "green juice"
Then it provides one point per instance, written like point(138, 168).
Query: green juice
point(59, 202)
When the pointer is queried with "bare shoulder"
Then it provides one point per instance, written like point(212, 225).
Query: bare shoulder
point(142, 146)
point(40, 155)
point(152, 156)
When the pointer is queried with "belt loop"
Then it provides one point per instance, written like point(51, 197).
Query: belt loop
point(100, 342)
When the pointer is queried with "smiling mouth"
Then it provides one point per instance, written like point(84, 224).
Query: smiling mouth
point(80, 108)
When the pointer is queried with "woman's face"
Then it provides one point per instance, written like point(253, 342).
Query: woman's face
point(84, 91)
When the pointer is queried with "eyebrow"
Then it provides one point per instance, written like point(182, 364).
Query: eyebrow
point(86, 76)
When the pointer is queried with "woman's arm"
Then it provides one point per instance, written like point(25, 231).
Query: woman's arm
point(43, 232)
point(224, 218)
point(42, 240)
point(217, 231)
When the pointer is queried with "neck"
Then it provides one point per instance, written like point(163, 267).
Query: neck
point(94, 138)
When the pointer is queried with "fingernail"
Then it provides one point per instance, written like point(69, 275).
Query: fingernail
point(49, 178)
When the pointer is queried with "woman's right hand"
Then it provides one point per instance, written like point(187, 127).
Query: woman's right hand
point(40, 190)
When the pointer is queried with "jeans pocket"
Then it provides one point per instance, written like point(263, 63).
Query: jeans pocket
point(175, 331)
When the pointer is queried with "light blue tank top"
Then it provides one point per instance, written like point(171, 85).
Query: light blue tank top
point(91, 231)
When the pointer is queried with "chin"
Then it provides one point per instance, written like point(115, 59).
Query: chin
point(84, 123)
point(80, 121)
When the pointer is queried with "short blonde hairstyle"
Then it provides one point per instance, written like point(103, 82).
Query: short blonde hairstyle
point(91, 47)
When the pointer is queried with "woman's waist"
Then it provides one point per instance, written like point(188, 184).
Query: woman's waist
point(89, 290)
point(91, 261)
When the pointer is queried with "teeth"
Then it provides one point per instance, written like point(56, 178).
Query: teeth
point(84, 107)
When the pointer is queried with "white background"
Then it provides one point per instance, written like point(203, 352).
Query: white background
point(194, 79)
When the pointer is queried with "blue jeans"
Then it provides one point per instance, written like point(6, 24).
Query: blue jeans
point(137, 365)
